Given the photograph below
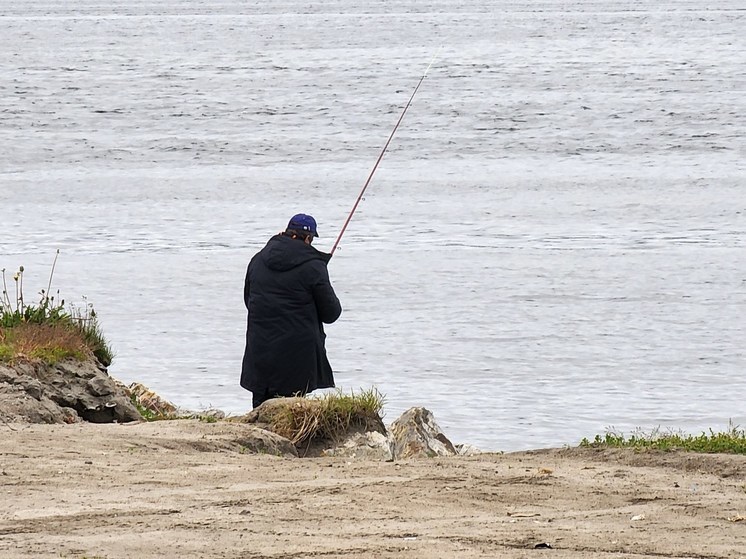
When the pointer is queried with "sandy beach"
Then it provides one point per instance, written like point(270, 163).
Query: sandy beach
point(185, 489)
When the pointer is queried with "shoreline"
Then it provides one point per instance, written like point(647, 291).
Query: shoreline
point(182, 488)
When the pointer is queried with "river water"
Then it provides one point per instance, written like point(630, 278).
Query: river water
point(553, 245)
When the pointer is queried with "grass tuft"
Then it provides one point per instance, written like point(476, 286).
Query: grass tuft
point(48, 330)
point(147, 413)
point(328, 417)
point(731, 441)
point(86, 321)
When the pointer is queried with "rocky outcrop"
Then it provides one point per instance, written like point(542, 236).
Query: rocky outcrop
point(414, 435)
point(67, 392)
point(71, 391)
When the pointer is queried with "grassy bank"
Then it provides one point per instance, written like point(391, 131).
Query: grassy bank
point(731, 441)
point(48, 329)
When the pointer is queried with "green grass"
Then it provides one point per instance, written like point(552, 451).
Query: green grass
point(731, 441)
point(48, 330)
point(53, 355)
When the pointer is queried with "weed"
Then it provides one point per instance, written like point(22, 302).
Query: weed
point(146, 413)
point(731, 441)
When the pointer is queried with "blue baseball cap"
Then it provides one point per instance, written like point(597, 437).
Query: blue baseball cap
point(303, 222)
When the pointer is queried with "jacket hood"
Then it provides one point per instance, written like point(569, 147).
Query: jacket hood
point(283, 253)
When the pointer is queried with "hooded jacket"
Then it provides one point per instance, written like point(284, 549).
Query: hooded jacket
point(288, 296)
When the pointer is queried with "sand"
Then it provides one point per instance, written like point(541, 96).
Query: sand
point(181, 489)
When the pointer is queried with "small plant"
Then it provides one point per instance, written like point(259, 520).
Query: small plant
point(16, 311)
point(731, 441)
point(147, 413)
point(86, 321)
point(48, 330)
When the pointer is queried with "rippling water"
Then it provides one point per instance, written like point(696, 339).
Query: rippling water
point(553, 245)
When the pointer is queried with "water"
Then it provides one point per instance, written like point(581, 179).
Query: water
point(553, 245)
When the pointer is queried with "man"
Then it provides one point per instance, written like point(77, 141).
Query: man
point(289, 296)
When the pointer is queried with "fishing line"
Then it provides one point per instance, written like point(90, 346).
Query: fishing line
point(383, 151)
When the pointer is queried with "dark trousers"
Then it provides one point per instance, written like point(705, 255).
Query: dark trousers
point(258, 398)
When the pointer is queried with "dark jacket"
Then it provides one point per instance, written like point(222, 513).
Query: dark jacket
point(288, 295)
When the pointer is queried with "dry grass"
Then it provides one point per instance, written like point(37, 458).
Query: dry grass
point(304, 420)
point(49, 342)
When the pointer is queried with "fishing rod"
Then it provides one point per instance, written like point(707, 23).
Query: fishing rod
point(383, 151)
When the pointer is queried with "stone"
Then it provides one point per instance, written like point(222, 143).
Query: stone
point(100, 387)
point(370, 445)
point(33, 388)
point(416, 435)
point(263, 414)
point(209, 414)
point(467, 450)
point(17, 406)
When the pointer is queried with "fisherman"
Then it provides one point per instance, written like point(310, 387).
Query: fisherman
point(289, 297)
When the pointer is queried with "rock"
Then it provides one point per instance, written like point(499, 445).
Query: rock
point(17, 406)
point(33, 388)
point(70, 391)
point(415, 434)
point(209, 414)
point(467, 450)
point(73, 368)
point(100, 387)
point(263, 414)
point(261, 441)
point(370, 445)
